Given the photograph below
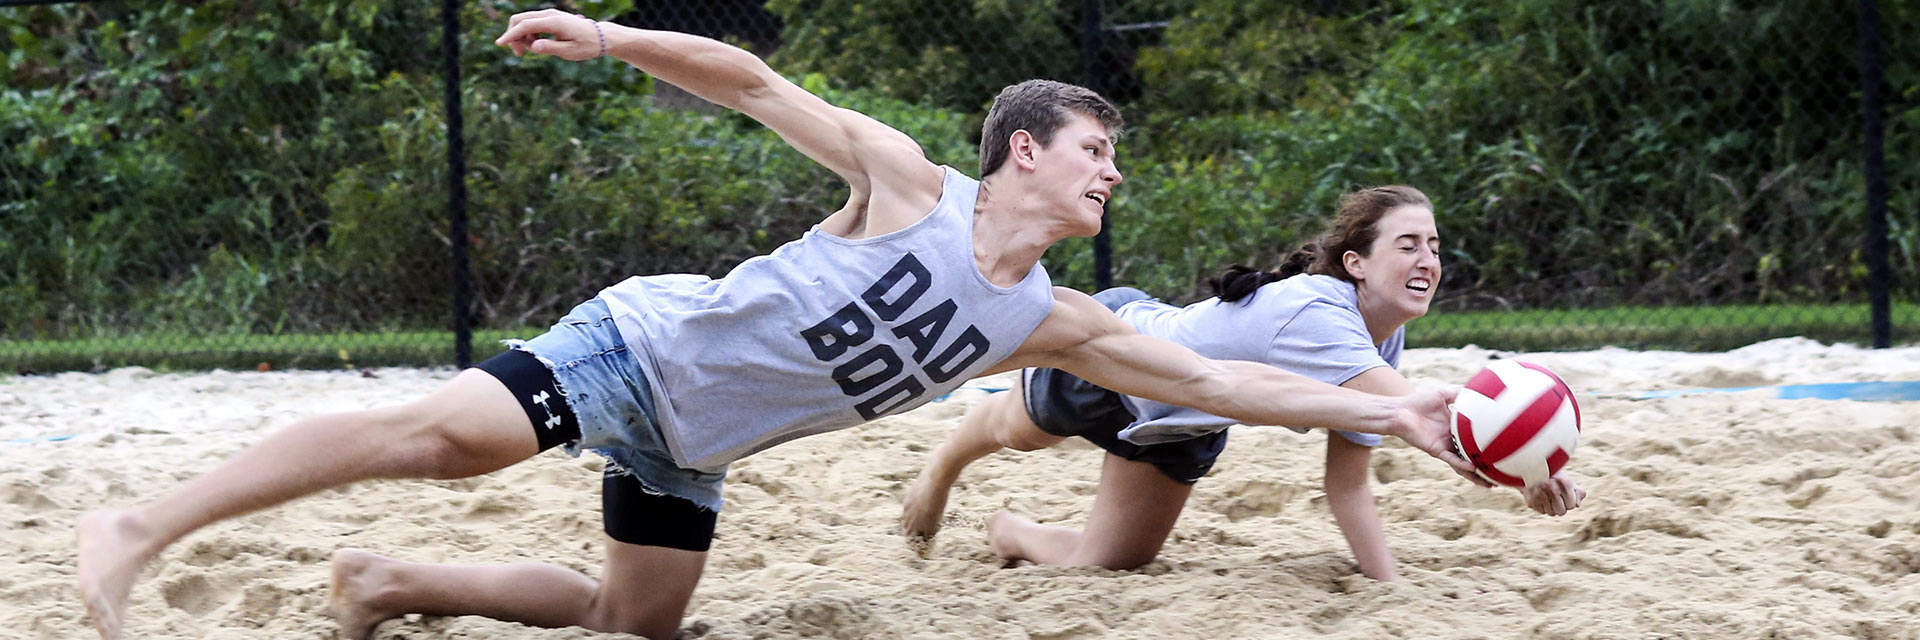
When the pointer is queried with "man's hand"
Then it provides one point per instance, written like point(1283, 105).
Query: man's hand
point(571, 36)
point(1426, 419)
point(1555, 497)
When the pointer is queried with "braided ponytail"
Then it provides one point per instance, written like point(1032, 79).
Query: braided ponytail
point(1240, 281)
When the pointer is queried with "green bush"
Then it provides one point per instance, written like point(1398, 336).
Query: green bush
point(953, 55)
point(237, 167)
point(1633, 152)
point(162, 160)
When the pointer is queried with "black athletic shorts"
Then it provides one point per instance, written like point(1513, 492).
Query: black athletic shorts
point(1064, 405)
point(630, 512)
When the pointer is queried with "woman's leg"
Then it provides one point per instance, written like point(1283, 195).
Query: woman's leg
point(1000, 421)
point(644, 592)
point(473, 425)
point(1132, 515)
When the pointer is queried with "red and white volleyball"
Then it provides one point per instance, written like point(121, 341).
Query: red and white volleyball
point(1517, 422)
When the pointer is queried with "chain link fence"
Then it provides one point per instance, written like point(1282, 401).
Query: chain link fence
point(192, 184)
point(237, 183)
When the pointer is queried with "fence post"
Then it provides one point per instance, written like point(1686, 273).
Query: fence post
point(1874, 149)
point(456, 184)
point(1092, 76)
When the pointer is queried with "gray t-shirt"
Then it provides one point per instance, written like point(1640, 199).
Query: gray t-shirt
point(1306, 324)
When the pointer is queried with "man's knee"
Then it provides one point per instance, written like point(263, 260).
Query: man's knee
point(412, 447)
point(1115, 558)
point(608, 617)
point(469, 427)
point(424, 443)
point(1126, 562)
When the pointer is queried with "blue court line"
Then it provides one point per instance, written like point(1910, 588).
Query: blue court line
point(69, 436)
point(1888, 391)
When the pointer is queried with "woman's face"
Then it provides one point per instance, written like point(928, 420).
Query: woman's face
point(1398, 280)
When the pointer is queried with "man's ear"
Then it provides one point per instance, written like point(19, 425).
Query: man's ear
point(1023, 150)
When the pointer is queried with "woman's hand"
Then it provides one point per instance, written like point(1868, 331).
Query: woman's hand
point(1555, 497)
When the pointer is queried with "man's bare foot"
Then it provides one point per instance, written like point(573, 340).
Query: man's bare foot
point(358, 578)
point(113, 548)
point(921, 511)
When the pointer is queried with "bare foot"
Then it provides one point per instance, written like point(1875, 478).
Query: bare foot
point(112, 552)
point(922, 510)
point(357, 581)
point(996, 535)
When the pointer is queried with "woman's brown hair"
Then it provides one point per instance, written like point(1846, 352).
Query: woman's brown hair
point(1354, 229)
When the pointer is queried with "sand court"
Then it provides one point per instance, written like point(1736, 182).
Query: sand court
point(1711, 516)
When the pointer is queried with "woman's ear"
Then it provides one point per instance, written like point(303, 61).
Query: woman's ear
point(1354, 266)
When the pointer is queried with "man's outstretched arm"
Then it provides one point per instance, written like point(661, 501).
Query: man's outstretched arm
point(1087, 340)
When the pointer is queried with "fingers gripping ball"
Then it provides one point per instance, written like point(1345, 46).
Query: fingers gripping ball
point(1517, 422)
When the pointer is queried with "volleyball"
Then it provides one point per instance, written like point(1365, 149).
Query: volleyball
point(1517, 422)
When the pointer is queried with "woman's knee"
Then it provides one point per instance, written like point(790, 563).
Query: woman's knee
point(1029, 438)
point(1013, 429)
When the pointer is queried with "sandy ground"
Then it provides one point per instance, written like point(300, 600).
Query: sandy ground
point(1711, 516)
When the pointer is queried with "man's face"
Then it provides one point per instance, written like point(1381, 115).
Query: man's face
point(1079, 168)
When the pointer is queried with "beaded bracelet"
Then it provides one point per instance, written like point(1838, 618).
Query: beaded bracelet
point(603, 36)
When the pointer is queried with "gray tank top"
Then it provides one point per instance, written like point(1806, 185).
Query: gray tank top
point(822, 334)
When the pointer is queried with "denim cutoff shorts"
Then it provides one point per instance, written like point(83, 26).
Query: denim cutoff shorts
point(606, 390)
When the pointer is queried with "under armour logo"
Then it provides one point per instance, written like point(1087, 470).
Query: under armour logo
point(541, 399)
